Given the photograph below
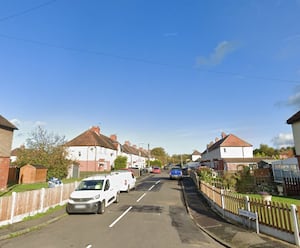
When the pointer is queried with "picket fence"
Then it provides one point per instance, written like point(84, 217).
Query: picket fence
point(275, 219)
point(19, 205)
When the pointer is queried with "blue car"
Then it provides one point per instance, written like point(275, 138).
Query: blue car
point(175, 173)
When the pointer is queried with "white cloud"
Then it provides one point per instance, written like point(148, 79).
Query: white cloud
point(24, 130)
point(294, 100)
point(16, 122)
point(222, 50)
point(283, 140)
point(39, 124)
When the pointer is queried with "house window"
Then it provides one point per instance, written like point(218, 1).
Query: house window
point(224, 149)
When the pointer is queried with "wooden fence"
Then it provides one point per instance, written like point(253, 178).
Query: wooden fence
point(273, 214)
point(19, 205)
point(275, 219)
point(291, 186)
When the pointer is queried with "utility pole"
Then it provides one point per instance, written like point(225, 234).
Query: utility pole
point(181, 160)
point(148, 155)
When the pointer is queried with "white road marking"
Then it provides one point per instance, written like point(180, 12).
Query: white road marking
point(143, 195)
point(154, 185)
point(89, 246)
point(151, 187)
point(120, 217)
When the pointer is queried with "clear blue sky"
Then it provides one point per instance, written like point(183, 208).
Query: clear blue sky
point(172, 74)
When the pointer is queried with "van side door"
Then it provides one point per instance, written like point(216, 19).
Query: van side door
point(108, 192)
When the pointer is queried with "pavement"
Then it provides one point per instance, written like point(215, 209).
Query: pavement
point(226, 233)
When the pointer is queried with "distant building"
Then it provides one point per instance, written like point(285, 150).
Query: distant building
point(97, 152)
point(229, 153)
point(93, 150)
point(196, 156)
point(6, 137)
point(136, 157)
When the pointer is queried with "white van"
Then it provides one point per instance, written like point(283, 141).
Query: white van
point(94, 194)
point(126, 179)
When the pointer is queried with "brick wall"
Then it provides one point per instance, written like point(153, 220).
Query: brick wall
point(4, 167)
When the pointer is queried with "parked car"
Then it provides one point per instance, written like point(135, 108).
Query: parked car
point(175, 173)
point(126, 179)
point(156, 170)
point(54, 182)
point(94, 194)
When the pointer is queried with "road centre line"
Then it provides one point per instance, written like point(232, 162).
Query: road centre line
point(151, 187)
point(154, 185)
point(120, 217)
point(128, 209)
point(143, 195)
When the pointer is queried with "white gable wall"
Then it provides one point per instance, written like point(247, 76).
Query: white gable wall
point(92, 153)
point(236, 152)
point(296, 134)
point(229, 152)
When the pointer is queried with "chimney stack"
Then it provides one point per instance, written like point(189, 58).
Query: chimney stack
point(96, 129)
point(113, 137)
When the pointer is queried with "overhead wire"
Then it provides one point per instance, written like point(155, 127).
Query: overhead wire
point(23, 12)
point(115, 56)
point(73, 49)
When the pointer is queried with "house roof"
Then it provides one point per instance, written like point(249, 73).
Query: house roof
point(196, 153)
point(92, 137)
point(127, 148)
point(229, 140)
point(6, 124)
point(294, 118)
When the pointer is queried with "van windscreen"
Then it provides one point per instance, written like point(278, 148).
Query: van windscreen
point(90, 185)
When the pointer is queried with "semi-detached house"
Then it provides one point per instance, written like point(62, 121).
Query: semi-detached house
point(6, 137)
point(230, 153)
point(97, 152)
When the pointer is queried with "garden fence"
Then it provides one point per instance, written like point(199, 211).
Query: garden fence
point(275, 219)
point(16, 207)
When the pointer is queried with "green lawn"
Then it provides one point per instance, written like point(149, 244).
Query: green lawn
point(281, 199)
point(32, 186)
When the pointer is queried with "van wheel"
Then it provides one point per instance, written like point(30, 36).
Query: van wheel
point(101, 207)
point(117, 197)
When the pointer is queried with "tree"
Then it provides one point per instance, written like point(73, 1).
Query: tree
point(120, 162)
point(266, 151)
point(270, 152)
point(178, 158)
point(156, 162)
point(48, 149)
point(159, 154)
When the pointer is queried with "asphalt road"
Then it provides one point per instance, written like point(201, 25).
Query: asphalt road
point(152, 215)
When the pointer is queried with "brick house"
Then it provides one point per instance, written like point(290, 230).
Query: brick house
point(93, 150)
point(229, 153)
point(6, 137)
point(97, 152)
